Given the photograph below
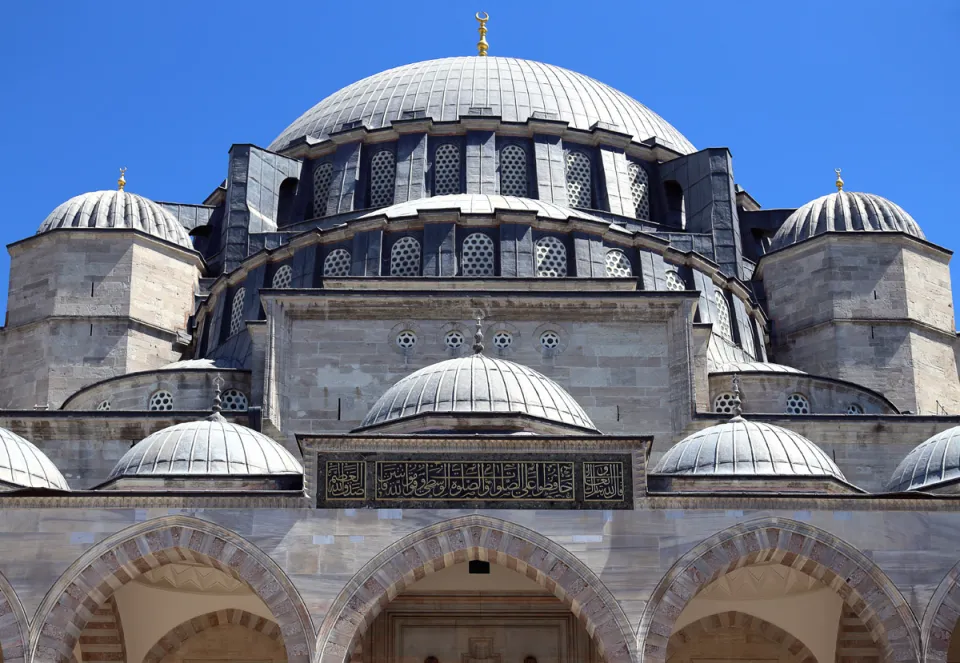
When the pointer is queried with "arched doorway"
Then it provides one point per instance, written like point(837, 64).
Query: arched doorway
point(155, 574)
point(544, 565)
point(863, 595)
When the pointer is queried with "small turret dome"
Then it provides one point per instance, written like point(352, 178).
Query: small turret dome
point(209, 447)
point(933, 462)
point(745, 447)
point(118, 210)
point(844, 211)
point(23, 465)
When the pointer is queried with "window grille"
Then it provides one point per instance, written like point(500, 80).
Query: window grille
point(513, 171)
point(453, 339)
point(234, 399)
point(723, 316)
point(549, 340)
point(383, 178)
point(103, 405)
point(405, 257)
point(236, 311)
point(502, 340)
point(797, 404)
point(160, 401)
point(854, 408)
point(406, 340)
point(674, 282)
point(322, 174)
point(639, 189)
point(476, 255)
point(337, 263)
point(617, 264)
point(579, 189)
point(551, 257)
point(283, 277)
point(725, 404)
point(446, 170)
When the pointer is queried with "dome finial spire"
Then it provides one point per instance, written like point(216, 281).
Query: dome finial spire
point(478, 337)
point(217, 400)
point(737, 403)
point(839, 179)
point(122, 182)
point(482, 45)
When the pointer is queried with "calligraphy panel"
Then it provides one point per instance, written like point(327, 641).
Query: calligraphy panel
point(448, 480)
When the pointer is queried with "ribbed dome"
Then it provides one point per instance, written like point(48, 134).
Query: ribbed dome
point(747, 448)
point(22, 464)
point(211, 446)
point(930, 463)
point(475, 203)
point(117, 209)
point(478, 384)
point(516, 90)
point(845, 211)
point(755, 367)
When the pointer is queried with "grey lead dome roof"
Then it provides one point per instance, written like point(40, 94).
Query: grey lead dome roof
point(209, 447)
point(846, 211)
point(22, 464)
point(477, 203)
point(756, 367)
point(511, 88)
point(478, 384)
point(747, 448)
point(930, 463)
point(117, 209)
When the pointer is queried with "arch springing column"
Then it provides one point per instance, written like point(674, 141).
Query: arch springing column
point(461, 540)
point(117, 560)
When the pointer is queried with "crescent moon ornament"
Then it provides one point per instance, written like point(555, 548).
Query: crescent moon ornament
point(482, 45)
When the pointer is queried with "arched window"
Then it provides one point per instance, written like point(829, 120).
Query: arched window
point(513, 171)
point(551, 257)
point(579, 187)
point(405, 257)
point(674, 282)
point(161, 400)
point(723, 315)
point(725, 404)
point(337, 263)
point(105, 405)
point(383, 178)
point(676, 207)
point(236, 311)
point(446, 170)
point(639, 190)
point(322, 173)
point(797, 404)
point(476, 255)
point(854, 408)
point(617, 264)
point(286, 196)
point(234, 399)
point(283, 277)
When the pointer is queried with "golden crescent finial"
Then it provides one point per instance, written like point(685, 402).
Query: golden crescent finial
point(839, 180)
point(482, 45)
point(122, 182)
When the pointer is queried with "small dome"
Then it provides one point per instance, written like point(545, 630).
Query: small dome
point(844, 211)
point(932, 462)
point(22, 464)
point(473, 203)
point(478, 384)
point(117, 209)
point(209, 447)
point(755, 367)
point(747, 448)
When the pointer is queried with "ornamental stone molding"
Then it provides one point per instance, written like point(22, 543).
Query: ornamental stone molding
point(940, 618)
point(182, 632)
point(832, 561)
point(121, 558)
point(726, 622)
point(460, 540)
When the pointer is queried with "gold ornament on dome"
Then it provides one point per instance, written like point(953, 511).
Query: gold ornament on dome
point(839, 179)
point(122, 182)
point(482, 45)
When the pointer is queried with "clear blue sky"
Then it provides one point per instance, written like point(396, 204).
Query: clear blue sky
point(794, 89)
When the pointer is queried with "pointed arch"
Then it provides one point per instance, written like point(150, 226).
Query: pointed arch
point(13, 624)
point(181, 633)
point(837, 564)
point(797, 651)
point(117, 560)
point(940, 617)
point(460, 540)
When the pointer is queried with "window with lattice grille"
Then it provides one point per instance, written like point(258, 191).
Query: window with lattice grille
point(161, 400)
point(725, 404)
point(617, 264)
point(723, 316)
point(103, 405)
point(234, 399)
point(797, 404)
point(502, 340)
point(406, 340)
point(476, 255)
point(674, 282)
point(236, 311)
point(322, 173)
point(854, 408)
point(283, 277)
point(405, 257)
point(551, 257)
point(337, 263)
point(513, 171)
point(579, 187)
point(446, 170)
point(383, 178)
point(549, 340)
point(453, 340)
point(640, 190)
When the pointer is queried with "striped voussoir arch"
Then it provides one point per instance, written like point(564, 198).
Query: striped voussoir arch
point(739, 621)
point(182, 632)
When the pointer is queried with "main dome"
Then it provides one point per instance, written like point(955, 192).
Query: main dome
point(510, 88)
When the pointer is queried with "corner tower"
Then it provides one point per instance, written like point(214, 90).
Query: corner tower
point(104, 288)
point(856, 292)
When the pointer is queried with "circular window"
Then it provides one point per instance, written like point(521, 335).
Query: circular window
point(725, 404)
point(234, 399)
point(549, 340)
point(797, 404)
point(406, 340)
point(502, 340)
point(161, 401)
point(453, 340)
point(103, 405)
point(854, 408)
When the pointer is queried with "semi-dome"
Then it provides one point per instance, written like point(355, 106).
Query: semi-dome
point(755, 367)
point(744, 447)
point(478, 384)
point(209, 447)
point(22, 464)
point(476, 203)
point(117, 210)
point(932, 462)
point(844, 211)
point(513, 89)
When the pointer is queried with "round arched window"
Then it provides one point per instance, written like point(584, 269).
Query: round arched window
point(551, 257)
point(236, 311)
point(337, 263)
point(476, 255)
point(383, 178)
point(579, 188)
point(234, 399)
point(405, 257)
point(797, 404)
point(513, 171)
point(283, 277)
point(725, 403)
point(322, 174)
point(161, 400)
point(617, 264)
